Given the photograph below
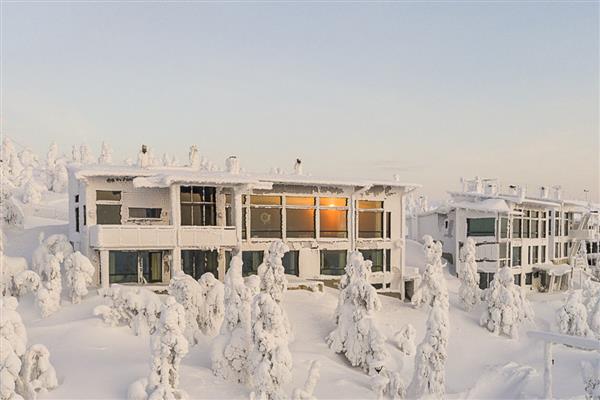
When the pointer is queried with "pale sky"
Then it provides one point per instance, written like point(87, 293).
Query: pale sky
point(430, 91)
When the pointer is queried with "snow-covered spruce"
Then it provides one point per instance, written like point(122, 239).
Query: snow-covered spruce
point(433, 276)
point(136, 307)
point(105, 154)
point(469, 292)
point(10, 365)
point(26, 282)
point(356, 334)
point(505, 305)
point(231, 347)
point(11, 268)
point(38, 376)
point(48, 294)
point(210, 315)
point(79, 273)
point(307, 392)
point(572, 318)
point(594, 319)
point(272, 272)
point(168, 346)
point(405, 340)
point(591, 379)
point(51, 246)
point(11, 325)
point(388, 383)
point(270, 362)
point(187, 291)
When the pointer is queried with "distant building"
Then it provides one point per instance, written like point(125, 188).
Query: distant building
point(141, 224)
point(541, 237)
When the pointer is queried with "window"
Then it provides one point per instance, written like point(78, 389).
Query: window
point(290, 262)
point(333, 216)
point(485, 278)
point(566, 250)
point(517, 278)
point(529, 278)
point(144, 213)
point(76, 198)
point(503, 228)
point(481, 226)
point(535, 228)
point(108, 195)
point(229, 210)
point(526, 225)
point(543, 254)
point(557, 250)
point(333, 262)
point(516, 227)
point(376, 258)
point(151, 262)
point(251, 260)
point(516, 256)
point(300, 217)
point(503, 250)
point(544, 228)
point(84, 215)
point(198, 206)
point(388, 260)
point(265, 216)
point(108, 207)
point(76, 219)
point(370, 219)
point(535, 258)
point(198, 262)
point(122, 266)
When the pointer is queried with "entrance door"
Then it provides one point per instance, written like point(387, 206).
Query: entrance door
point(151, 262)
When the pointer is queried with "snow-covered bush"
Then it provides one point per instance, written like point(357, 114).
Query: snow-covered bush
point(272, 272)
point(12, 328)
point(210, 316)
point(48, 294)
point(168, 346)
point(26, 281)
point(270, 360)
point(594, 319)
point(52, 245)
point(105, 154)
point(187, 291)
point(433, 276)
point(572, 317)
point(136, 307)
point(388, 383)
point(591, 379)
point(307, 392)
point(356, 334)
point(11, 268)
point(37, 373)
point(231, 348)
point(506, 306)
point(10, 365)
point(405, 340)
point(469, 292)
point(79, 273)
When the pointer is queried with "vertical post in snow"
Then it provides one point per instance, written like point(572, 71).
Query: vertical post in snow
point(548, 370)
point(104, 269)
point(176, 223)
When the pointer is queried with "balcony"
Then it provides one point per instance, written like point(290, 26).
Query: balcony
point(584, 234)
point(160, 236)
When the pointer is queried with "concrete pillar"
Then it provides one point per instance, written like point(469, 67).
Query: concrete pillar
point(174, 196)
point(237, 215)
point(176, 261)
point(104, 269)
point(222, 264)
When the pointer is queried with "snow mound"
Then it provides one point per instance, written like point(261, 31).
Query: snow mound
point(506, 381)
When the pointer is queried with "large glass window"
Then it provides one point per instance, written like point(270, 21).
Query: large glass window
point(251, 260)
point(122, 266)
point(76, 219)
point(198, 205)
point(376, 257)
point(503, 228)
point(481, 226)
point(333, 262)
point(333, 216)
point(151, 265)
point(504, 255)
point(516, 227)
point(300, 217)
point(198, 262)
point(516, 256)
point(108, 195)
point(370, 219)
point(517, 279)
point(291, 261)
point(265, 216)
point(108, 214)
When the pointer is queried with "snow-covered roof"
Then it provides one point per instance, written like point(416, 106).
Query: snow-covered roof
point(553, 269)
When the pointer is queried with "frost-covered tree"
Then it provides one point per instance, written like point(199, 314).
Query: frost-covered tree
point(272, 272)
point(28, 159)
point(48, 247)
point(11, 268)
point(38, 376)
point(52, 156)
point(79, 274)
point(105, 154)
point(469, 292)
point(187, 291)
point(506, 306)
point(388, 383)
point(433, 278)
point(591, 379)
point(405, 340)
point(85, 154)
point(210, 316)
point(307, 392)
point(356, 334)
point(270, 360)
point(194, 157)
point(48, 295)
point(231, 348)
point(75, 154)
point(59, 177)
point(168, 346)
point(12, 328)
point(572, 317)
point(26, 282)
point(10, 365)
point(594, 318)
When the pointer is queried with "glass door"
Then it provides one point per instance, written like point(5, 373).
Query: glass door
point(151, 262)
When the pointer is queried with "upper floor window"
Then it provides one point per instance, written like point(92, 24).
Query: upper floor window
point(370, 219)
point(300, 217)
point(265, 216)
point(108, 207)
point(503, 228)
point(333, 217)
point(198, 206)
point(481, 226)
point(144, 213)
point(376, 258)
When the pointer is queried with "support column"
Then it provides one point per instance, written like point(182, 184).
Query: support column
point(174, 196)
point(104, 269)
point(237, 215)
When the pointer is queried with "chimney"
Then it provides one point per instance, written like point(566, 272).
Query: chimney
point(557, 192)
point(514, 190)
point(143, 157)
point(194, 157)
point(233, 165)
point(298, 167)
point(543, 192)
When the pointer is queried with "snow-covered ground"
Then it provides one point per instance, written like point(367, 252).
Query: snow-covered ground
point(93, 360)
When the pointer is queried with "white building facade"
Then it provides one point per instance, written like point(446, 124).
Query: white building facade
point(140, 225)
point(540, 237)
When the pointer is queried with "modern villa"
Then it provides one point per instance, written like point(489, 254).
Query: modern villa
point(540, 237)
point(140, 224)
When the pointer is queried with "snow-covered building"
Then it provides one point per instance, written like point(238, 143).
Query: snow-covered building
point(141, 224)
point(540, 236)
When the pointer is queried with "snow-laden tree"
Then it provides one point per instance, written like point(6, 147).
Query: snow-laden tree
point(75, 154)
point(85, 154)
point(48, 294)
point(59, 177)
point(270, 360)
point(433, 278)
point(194, 157)
point(52, 156)
point(307, 392)
point(211, 311)
point(187, 291)
point(231, 348)
point(11, 268)
point(26, 282)
point(469, 292)
point(405, 340)
point(10, 365)
point(356, 334)
point(388, 383)
point(38, 376)
point(105, 157)
point(28, 159)
point(594, 319)
point(168, 346)
point(572, 318)
point(79, 274)
point(591, 379)
point(12, 328)
point(272, 272)
point(505, 305)
point(48, 247)
point(590, 292)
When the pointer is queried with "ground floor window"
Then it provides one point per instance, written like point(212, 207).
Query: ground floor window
point(376, 257)
point(198, 262)
point(291, 261)
point(333, 262)
point(485, 278)
point(251, 260)
point(135, 266)
point(529, 278)
point(517, 278)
